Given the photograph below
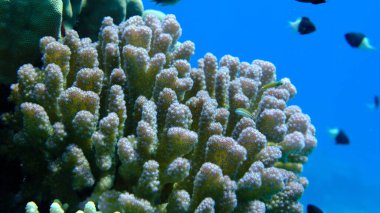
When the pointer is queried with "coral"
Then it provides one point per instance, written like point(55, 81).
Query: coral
point(24, 22)
point(128, 124)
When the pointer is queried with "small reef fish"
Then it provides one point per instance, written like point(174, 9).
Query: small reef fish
point(273, 84)
point(166, 2)
point(313, 209)
point(246, 113)
point(340, 136)
point(358, 40)
point(243, 112)
point(312, 1)
point(303, 25)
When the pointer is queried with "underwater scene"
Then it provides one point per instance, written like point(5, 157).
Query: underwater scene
point(166, 106)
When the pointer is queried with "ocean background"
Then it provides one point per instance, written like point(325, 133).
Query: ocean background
point(334, 81)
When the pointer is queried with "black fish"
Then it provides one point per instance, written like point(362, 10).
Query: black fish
point(166, 2)
point(303, 26)
point(340, 136)
point(313, 1)
point(358, 40)
point(313, 209)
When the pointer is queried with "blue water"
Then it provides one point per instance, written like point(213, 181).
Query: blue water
point(335, 82)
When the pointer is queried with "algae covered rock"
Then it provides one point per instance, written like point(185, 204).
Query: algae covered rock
point(92, 14)
point(24, 22)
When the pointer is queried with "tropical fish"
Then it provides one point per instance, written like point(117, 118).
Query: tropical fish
point(313, 209)
point(358, 40)
point(166, 2)
point(313, 1)
point(340, 136)
point(243, 112)
point(303, 25)
point(272, 84)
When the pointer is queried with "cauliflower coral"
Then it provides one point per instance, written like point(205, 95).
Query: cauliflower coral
point(128, 124)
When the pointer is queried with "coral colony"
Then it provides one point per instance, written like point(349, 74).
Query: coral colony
point(126, 124)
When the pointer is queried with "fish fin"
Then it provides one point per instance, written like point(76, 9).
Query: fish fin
point(333, 132)
point(366, 45)
point(371, 106)
point(294, 25)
